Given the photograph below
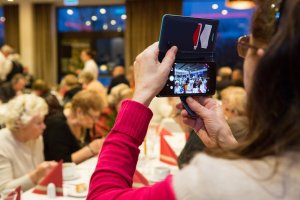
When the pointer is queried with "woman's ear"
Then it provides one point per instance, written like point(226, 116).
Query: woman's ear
point(260, 52)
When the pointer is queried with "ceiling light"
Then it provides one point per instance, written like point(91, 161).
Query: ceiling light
point(105, 26)
point(88, 23)
point(94, 18)
point(215, 6)
point(70, 12)
point(102, 11)
point(224, 12)
point(113, 22)
point(240, 4)
point(123, 16)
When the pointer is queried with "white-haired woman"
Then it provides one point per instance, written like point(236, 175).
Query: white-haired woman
point(21, 146)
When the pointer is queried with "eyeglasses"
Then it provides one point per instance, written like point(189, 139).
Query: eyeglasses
point(243, 46)
point(94, 116)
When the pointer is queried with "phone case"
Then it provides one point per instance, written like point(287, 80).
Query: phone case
point(195, 40)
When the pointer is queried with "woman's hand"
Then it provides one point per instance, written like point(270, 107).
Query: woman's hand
point(211, 125)
point(150, 75)
point(96, 145)
point(42, 170)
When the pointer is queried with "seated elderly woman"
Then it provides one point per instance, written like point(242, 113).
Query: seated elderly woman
point(21, 146)
point(66, 135)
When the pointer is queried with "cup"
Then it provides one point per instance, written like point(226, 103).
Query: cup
point(69, 170)
point(160, 173)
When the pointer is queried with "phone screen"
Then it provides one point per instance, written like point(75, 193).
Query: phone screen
point(190, 79)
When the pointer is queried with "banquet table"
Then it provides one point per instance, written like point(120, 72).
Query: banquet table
point(147, 163)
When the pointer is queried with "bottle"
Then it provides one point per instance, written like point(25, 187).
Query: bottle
point(51, 191)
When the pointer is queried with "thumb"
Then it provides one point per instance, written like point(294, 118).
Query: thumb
point(168, 60)
point(197, 107)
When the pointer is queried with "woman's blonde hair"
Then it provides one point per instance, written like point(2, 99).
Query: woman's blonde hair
point(119, 93)
point(22, 108)
point(87, 100)
point(234, 98)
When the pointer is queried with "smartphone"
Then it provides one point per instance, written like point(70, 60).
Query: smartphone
point(191, 79)
point(194, 70)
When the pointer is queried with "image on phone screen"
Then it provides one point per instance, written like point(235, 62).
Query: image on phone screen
point(187, 79)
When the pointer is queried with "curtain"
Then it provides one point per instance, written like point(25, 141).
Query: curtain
point(143, 24)
point(11, 26)
point(44, 42)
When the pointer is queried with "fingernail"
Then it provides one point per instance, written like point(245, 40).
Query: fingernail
point(190, 99)
point(175, 49)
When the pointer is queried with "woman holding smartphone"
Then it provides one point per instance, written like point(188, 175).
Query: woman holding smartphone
point(263, 166)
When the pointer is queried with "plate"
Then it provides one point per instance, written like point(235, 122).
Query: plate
point(71, 178)
point(73, 193)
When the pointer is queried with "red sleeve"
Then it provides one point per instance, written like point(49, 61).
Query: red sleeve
point(117, 161)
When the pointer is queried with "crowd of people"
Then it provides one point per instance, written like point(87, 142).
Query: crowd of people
point(40, 126)
point(244, 142)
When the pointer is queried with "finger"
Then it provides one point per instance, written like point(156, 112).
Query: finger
point(208, 142)
point(152, 48)
point(196, 107)
point(189, 121)
point(168, 61)
point(184, 113)
point(179, 106)
point(203, 100)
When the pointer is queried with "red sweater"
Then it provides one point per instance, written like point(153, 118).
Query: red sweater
point(117, 161)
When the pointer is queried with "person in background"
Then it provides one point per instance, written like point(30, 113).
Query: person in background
point(28, 77)
point(161, 109)
point(21, 144)
point(108, 116)
point(118, 77)
point(233, 101)
point(12, 89)
point(40, 88)
point(89, 83)
point(223, 78)
point(264, 165)
point(66, 135)
point(130, 76)
point(69, 87)
point(16, 66)
point(87, 56)
point(5, 63)
point(237, 78)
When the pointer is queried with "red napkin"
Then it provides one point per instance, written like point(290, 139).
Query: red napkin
point(139, 180)
point(167, 154)
point(164, 131)
point(55, 177)
point(12, 194)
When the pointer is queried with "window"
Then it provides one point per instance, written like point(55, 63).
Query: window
point(232, 25)
point(89, 19)
point(100, 28)
point(2, 20)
